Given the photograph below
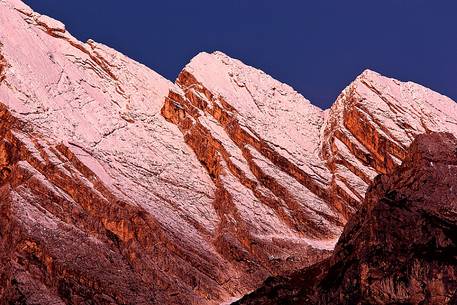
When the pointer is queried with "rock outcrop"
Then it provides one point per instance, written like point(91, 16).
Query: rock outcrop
point(400, 247)
point(118, 186)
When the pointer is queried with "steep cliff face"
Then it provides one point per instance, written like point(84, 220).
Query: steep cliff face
point(120, 187)
point(400, 248)
point(259, 140)
point(101, 197)
point(370, 127)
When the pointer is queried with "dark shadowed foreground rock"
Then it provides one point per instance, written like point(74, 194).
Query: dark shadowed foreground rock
point(400, 248)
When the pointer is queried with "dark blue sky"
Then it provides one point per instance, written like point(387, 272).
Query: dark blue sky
point(317, 46)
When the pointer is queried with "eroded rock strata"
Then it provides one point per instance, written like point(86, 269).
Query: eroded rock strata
point(399, 248)
point(118, 186)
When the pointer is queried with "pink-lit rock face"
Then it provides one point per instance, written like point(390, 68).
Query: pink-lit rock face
point(120, 187)
point(370, 127)
point(103, 199)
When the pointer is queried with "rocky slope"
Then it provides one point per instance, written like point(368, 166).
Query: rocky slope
point(400, 248)
point(120, 187)
point(370, 127)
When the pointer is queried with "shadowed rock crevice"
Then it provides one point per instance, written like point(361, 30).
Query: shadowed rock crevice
point(2, 66)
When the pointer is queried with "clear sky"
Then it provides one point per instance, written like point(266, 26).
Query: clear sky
point(316, 46)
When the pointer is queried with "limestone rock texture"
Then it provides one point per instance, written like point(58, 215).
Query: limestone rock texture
point(118, 186)
point(370, 127)
point(399, 248)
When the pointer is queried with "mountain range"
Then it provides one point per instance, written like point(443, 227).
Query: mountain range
point(118, 186)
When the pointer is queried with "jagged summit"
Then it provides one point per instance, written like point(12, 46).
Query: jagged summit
point(120, 187)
